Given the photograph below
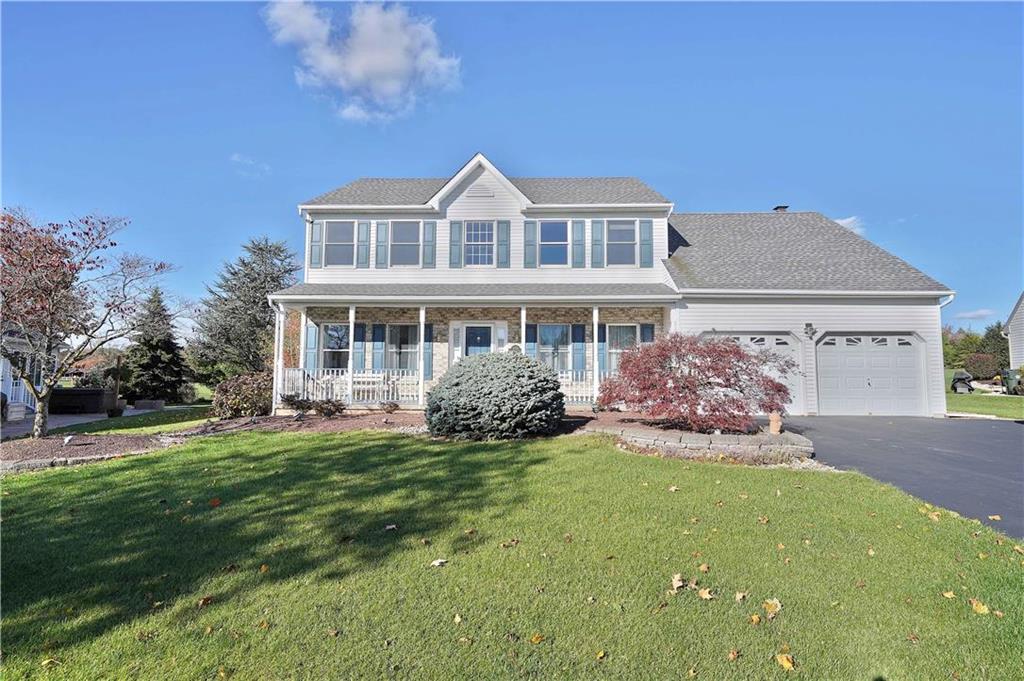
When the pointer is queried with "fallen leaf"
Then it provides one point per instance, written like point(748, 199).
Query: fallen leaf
point(50, 662)
point(913, 638)
point(871, 552)
point(591, 600)
point(601, 655)
point(1017, 548)
point(673, 488)
point(691, 672)
point(762, 519)
point(719, 504)
point(143, 635)
point(465, 640)
point(743, 495)
point(440, 562)
point(264, 568)
point(755, 619)
point(860, 584)
point(205, 601)
point(231, 568)
point(982, 556)
point(388, 528)
point(677, 583)
point(786, 661)
point(470, 531)
point(998, 613)
point(536, 638)
point(704, 567)
point(934, 516)
point(215, 502)
point(977, 606)
point(741, 595)
point(787, 560)
point(333, 633)
point(263, 625)
point(772, 607)
point(734, 655)
point(458, 618)
point(948, 594)
point(509, 544)
point(705, 594)
point(995, 516)
point(567, 538)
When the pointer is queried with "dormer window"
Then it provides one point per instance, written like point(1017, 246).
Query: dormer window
point(339, 245)
point(554, 243)
point(621, 247)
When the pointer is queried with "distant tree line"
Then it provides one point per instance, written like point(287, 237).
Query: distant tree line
point(981, 354)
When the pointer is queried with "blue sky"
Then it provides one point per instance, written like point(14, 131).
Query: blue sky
point(189, 119)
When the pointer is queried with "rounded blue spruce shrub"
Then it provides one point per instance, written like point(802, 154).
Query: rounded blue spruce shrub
point(495, 397)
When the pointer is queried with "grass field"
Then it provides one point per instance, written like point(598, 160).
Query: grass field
point(1005, 406)
point(262, 556)
point(168, 420)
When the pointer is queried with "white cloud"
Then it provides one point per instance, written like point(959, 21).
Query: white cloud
point(980, 313)
point(249, 167)
point(854, 224)
point(381, 63)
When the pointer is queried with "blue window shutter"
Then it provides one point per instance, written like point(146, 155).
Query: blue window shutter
point(382, 245)
point(316, 244)
point(531, 340)
point(359, 348)
point(312, 345)
point(646, 243)
point(579, 348)
point(579, 243)
point(504, 237)
point(428, 353)
point(455, 244)
point(429, 244)
point(379, 332)
point(602, 349)
point(597, 243)
point(647, 333)
point(530, 243)
point(363, 245)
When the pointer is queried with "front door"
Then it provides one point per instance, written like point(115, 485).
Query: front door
point(478, 340)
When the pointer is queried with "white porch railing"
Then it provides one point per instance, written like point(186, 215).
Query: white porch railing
point(371, 387)
point(368, 387)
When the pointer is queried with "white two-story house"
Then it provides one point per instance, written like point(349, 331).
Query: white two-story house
point(404, 277)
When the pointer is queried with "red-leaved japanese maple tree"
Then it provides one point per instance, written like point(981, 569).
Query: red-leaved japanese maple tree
point(65, 294)
point(699, 383)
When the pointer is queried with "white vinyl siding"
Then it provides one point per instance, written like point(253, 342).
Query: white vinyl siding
point(919, 317)
point(1015, 332)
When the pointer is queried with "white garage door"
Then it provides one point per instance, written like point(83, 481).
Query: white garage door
point(786, 346)
point(870, 374)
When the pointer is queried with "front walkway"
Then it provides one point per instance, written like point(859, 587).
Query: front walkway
point(15, 429)
point(972, 466)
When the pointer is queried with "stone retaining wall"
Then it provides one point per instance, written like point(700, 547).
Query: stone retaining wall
point(757, 448)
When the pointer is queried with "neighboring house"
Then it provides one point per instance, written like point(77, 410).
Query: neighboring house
point(403, 277)
point(1014, 332)
point(19, 398)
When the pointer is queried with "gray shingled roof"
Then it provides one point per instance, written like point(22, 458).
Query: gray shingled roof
point(418, 291)
point(783, 251)
point(371, 191)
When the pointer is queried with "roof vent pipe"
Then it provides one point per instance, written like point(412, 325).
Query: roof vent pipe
point(780, 209)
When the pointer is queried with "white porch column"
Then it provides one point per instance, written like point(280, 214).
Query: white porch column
point(278, 379)
point(522, 329)
point(597, 375)
point(302, 339)
point(351, 348)
point(422, 333)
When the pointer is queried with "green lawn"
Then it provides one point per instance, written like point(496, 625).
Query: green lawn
point(1006, 406)
point(152, 567)
point(166, 421)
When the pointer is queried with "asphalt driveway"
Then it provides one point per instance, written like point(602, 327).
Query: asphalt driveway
point(972, 466)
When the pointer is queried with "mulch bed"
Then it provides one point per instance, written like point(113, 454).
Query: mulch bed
point(80, 446)
point(311, 423)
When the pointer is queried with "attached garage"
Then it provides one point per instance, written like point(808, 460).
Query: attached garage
point(786, 345)
point(871, 374)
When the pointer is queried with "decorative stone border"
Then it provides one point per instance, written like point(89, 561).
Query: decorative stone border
point(760, 448)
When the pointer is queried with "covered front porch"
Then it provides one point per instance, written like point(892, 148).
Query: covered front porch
point(376, 353)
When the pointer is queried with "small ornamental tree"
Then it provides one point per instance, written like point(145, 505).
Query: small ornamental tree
point(65, 295)
point(698, 383)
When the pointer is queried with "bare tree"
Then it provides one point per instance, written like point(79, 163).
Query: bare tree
point(65, 294)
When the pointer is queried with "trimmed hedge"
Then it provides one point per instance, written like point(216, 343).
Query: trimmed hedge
point(245, 395)
point(495, 397)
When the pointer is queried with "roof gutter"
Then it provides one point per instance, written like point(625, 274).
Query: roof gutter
point(428, 208)
point(783, 293)
point(468, 300)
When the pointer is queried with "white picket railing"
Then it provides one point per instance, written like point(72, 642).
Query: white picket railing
point(373, 386)
point(368, 387)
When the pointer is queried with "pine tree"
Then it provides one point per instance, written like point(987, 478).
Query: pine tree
point(155, 361)
point(235, 326)
point(994, 343)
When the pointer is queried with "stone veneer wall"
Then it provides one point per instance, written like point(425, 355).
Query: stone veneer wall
point(441, 317)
